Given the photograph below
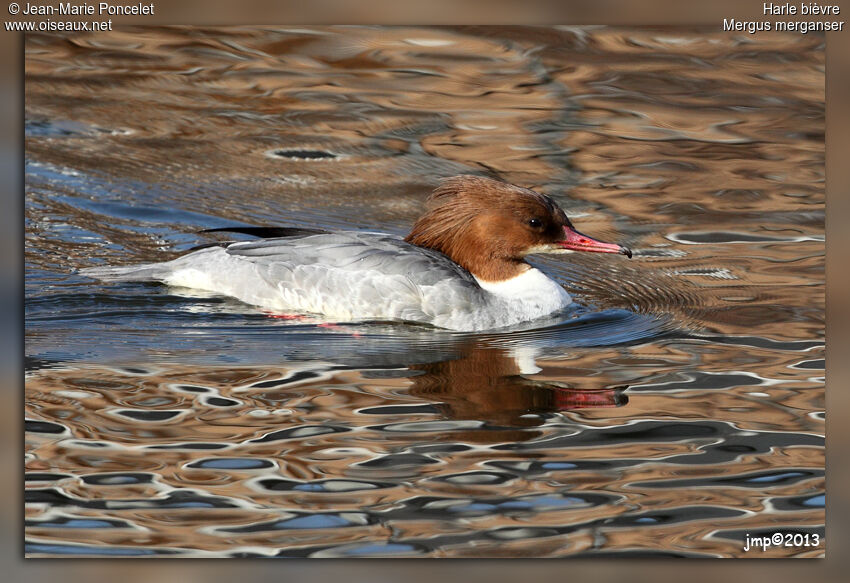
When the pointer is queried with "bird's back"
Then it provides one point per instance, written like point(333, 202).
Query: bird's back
point(346, 275)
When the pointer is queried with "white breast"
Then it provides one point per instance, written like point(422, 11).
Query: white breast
point(529, 295)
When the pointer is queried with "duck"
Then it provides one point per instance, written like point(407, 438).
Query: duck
point(462, 267)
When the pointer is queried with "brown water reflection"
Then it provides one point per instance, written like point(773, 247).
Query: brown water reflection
point(486, 384)
point(679, 407)
point(245, 459)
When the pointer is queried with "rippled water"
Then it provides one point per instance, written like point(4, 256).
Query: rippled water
point(676, 409)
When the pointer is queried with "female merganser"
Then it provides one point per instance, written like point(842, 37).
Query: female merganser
point(462, 267)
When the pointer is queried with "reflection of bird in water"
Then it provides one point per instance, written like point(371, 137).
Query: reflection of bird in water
point(486, 384)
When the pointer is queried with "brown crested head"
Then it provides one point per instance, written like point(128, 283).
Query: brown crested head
point(488, 227)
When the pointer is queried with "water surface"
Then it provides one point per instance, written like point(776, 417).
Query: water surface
point(676, 408)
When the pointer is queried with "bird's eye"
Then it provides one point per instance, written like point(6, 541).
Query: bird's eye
point(534, 223)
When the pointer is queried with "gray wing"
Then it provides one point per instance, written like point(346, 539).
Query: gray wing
point(363, 275)
point(349, 275)
point(357, 251)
